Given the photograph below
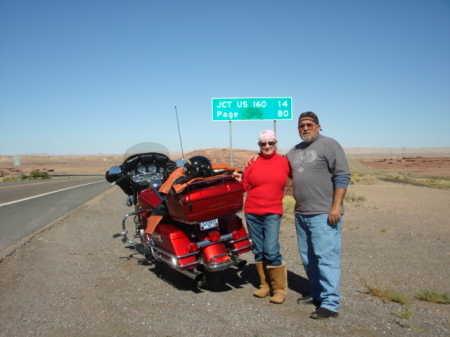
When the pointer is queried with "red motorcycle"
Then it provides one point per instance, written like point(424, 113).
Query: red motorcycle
point(184, 212)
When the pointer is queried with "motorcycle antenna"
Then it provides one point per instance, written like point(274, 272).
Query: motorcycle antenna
point(179, 133)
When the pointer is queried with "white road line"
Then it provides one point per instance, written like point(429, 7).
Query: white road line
point(41, 195)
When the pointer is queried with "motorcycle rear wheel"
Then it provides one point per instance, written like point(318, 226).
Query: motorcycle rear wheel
point(210, 279)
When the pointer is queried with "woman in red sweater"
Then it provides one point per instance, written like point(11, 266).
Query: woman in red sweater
point(264, 181)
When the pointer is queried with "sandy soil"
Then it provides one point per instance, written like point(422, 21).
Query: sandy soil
point(73, 279)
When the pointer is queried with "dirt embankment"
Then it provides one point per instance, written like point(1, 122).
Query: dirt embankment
point(433, 162)
point(99, 164)
point(58, 164)
point(430, 166)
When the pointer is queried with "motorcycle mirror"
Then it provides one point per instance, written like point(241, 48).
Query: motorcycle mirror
point(115, 170)
point(113, 174)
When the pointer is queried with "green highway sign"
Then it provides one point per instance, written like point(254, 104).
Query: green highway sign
point(242, 109)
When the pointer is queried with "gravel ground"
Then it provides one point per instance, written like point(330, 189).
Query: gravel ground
point(73, 279)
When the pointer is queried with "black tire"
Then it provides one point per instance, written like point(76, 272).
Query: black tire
point(211, 279)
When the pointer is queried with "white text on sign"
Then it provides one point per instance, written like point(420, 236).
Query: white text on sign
point(251, 108)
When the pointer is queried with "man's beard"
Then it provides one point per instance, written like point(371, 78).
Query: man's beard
point(307, 138)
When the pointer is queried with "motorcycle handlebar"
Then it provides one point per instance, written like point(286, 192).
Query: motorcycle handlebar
point(118, 180)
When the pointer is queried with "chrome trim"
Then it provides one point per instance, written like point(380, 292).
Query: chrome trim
point(223, 238)
point(240, 249)
point(171, 255)
point(124, 229)
point(192, 273)
point(206, 243)
point(210, 179)
point(173, 262)
point(147, 177)
point(218, 266)
point(239, 240)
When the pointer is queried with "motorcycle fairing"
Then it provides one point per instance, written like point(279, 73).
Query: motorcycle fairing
point(149, 198)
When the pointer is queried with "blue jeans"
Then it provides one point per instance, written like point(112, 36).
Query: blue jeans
point(264, 231)
point(319, 244)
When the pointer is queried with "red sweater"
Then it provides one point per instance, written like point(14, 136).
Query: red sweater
point(264, 182)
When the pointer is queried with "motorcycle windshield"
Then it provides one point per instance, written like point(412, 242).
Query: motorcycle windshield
point(146, 147)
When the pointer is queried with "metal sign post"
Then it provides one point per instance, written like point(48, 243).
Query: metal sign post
point(231, 146)
point(17, 162)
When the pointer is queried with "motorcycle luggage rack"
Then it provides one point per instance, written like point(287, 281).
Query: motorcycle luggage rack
point(206, 182)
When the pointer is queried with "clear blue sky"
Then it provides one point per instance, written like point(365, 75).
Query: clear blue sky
point(98, 76)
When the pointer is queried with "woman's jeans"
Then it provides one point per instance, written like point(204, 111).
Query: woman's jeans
point(264, 231)
point(320, 249)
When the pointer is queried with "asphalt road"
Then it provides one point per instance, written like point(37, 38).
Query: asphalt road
point(27, 206)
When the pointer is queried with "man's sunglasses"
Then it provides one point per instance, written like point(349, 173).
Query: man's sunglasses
point(265, 143)
point(309, 125)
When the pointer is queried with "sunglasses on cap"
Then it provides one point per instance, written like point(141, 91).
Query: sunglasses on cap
point(265, 143)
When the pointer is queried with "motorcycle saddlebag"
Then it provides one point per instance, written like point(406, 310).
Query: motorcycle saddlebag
point(173, 245)
point(202, 202)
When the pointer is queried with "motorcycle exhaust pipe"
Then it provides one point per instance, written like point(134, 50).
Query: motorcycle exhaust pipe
point(238, 262)
point(199, 280)
point(194, 274)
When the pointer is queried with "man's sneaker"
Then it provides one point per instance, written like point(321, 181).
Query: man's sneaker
point(323, 313)
point(309, 300)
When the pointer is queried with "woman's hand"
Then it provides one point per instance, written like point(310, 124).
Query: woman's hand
point(238, 176)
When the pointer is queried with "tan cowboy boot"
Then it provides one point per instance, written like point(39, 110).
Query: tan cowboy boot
point(278, 277)
point(264, 288)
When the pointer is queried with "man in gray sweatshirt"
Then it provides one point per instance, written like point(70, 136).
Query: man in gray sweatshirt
point(320, 176)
